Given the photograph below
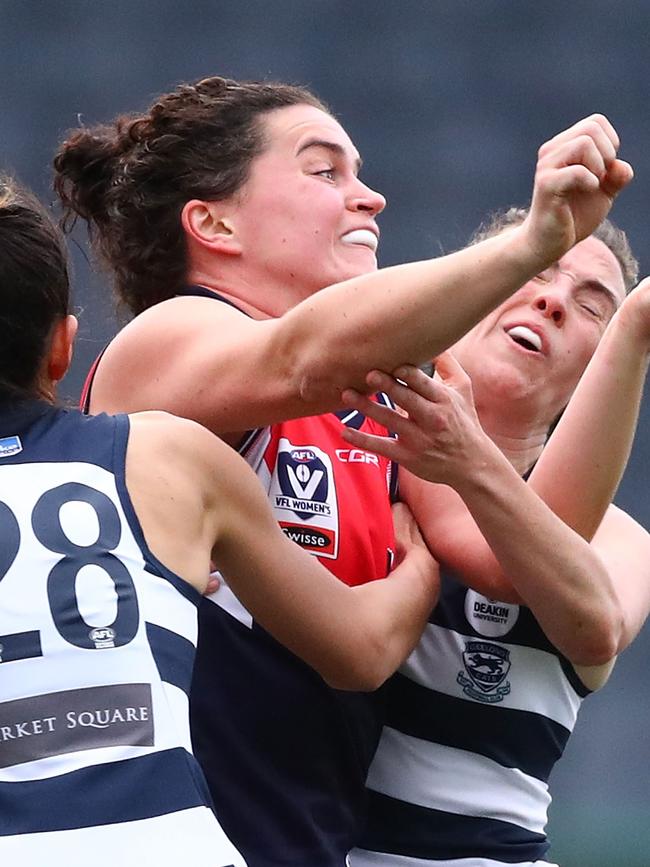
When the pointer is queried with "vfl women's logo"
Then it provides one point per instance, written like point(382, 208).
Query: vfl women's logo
point(487, 665)
point(303, 496)
point(303, 479)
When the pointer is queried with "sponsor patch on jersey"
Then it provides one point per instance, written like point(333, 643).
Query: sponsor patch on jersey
point(76, 719)
point(488, 616)
point(302, 487)
point(487, 665)
point(10, 446)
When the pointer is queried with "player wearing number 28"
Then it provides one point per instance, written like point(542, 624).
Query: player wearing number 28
point(107, 529)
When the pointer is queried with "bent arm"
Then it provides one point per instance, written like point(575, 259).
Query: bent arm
point(485, 522)
point(354, 637)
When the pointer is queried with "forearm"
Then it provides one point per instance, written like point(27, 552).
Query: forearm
point(406, 313)
point(392, 615)
point(556, 573)
point(581, 466)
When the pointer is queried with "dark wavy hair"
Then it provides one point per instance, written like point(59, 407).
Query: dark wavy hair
point(34, 287)
point(130, 179)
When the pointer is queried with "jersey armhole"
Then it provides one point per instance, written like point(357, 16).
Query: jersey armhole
point(120, 443)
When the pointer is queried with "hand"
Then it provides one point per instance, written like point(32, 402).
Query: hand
point(407, 532)
point(578, 176)
point(440, 438)
point(410, 544)
point(214, 580)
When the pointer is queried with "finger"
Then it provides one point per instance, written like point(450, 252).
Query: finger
point(416, 380)
point(571, 179)
point(618, 175)
point(449, 368)
point(381, 413)
point(420, 396)
point(407, 396)
point(597, 126)
point(385, 446)
point(581, 150)
point(213, 584)
point(406, 529)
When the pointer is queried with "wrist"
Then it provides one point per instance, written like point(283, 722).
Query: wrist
point(530, 251)
point(478, 474)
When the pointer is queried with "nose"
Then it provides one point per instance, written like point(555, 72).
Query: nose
point(364, 198)
point(551, 304)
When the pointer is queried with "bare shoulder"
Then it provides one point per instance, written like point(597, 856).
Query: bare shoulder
point(173, 483)
point(140, 365)
point(179, 442)
point(199, 359)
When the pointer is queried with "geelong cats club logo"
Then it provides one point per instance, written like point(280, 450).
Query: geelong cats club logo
point(303, 496)
point(487, 665)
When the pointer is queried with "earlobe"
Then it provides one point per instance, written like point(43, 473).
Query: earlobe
point(206, 224)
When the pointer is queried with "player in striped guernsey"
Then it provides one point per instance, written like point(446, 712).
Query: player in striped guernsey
point(107, 528)
point(482, 709)
point(255, 190)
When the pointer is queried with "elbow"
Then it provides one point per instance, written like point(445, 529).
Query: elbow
point(365, 667)
point(316, 386)
point(597, 640)
point(363, 676)
point(357, 682)
point(322, 384)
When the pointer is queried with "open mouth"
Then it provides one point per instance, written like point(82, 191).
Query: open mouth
point(525, 337)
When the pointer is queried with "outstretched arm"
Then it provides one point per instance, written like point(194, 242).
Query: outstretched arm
point(259, 372)
point(484, 521)
point(582, 464)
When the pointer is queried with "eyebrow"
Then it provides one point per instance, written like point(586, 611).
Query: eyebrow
point(594, 285)
point(333, 147)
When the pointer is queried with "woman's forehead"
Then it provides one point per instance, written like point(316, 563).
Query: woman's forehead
point(289, 127)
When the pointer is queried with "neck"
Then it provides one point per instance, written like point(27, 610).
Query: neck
point(260, 300)
point(518, 431)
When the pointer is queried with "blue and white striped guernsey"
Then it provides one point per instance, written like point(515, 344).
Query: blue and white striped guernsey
point(97, 643)
point(477, 717)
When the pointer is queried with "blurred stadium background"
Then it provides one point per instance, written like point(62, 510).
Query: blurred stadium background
point(448, 101)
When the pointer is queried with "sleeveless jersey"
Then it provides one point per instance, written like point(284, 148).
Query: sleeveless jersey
point(476, 719)
point(285, 755)
point(97, 641)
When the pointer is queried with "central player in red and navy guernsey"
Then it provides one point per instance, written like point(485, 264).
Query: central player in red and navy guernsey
point(252, 191)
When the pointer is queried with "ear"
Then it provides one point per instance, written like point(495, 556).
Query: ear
point(60, 354)
point(208, 225)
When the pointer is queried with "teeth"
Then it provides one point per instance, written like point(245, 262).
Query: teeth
point(361, 236)
point(523, 333)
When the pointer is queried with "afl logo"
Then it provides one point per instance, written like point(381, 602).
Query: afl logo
point(103, 636)
point(302, 455)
